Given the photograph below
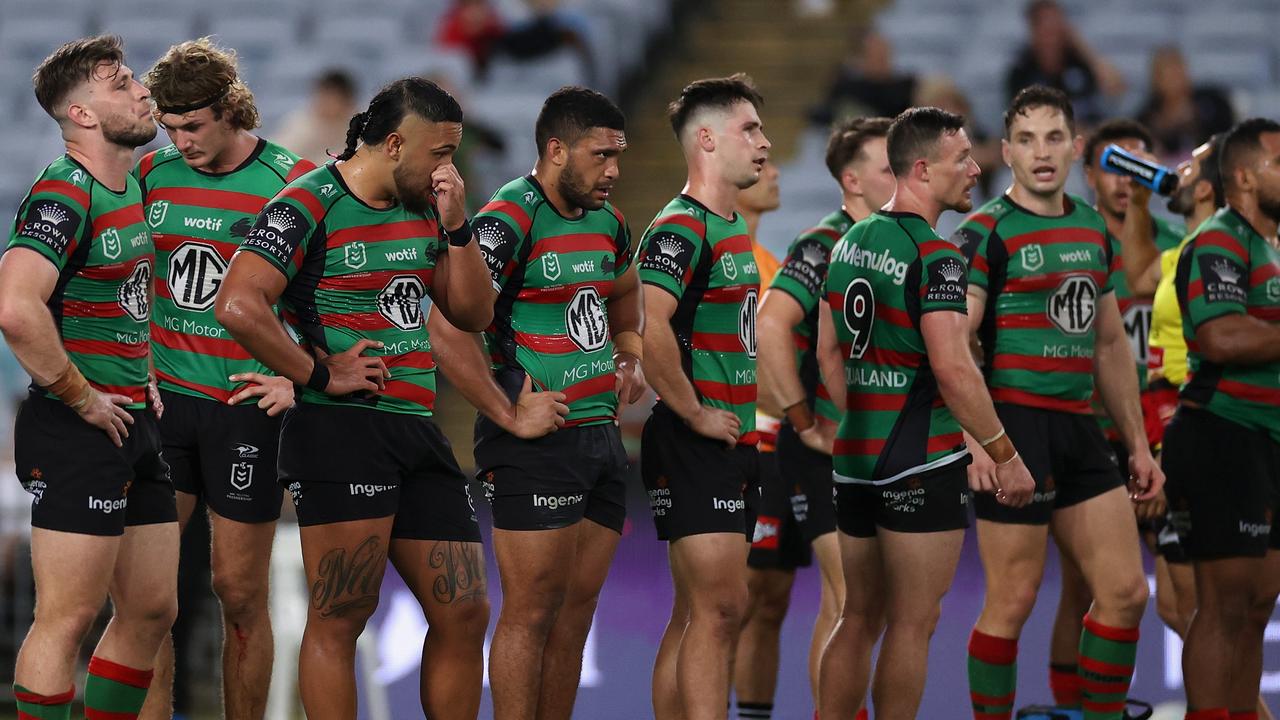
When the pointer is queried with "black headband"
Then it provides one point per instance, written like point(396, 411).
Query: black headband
point(184, 109)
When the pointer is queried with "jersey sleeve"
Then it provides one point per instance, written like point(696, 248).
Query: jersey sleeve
point(671, 252)
point(974, 239)
point(501, 234)
point(943, 280)
point(802, 272)
point(1218, 281)
point(52, 220)
point(281, 232)
point(1114, 268)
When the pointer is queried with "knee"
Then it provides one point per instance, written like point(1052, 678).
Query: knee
point(1128, 594)
point(537, 613)
point(471, 618)
point(155, 613)
point(242, 601)
point(770, 608)
point(1012, 602)
point(1260, 612)
point(724, 612)
point(72, 623)
point(920, 619)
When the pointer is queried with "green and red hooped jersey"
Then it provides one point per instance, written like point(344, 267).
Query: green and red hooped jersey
point(355, 272)
point(554, 276)
point(885, 274)
point(705, 262)
point(1044, 277)
point(198, 221)
point(101, 304)
point(1229, 269)
point(802, 276)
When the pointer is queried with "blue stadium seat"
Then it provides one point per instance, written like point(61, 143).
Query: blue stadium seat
point(1128, 30)
point(1243, 69)
point(255, 39)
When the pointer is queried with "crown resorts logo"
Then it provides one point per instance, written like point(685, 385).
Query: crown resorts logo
point(951, 271)
point(279, 220)
point(1226, 271)
point(489, 236)
point(52, 214)
point(669, 246)
point(812, 255)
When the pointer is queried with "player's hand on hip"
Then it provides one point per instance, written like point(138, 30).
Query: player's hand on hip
point(275, 391)
point(537, 413)
point(630, 382)
point(982, 471)
point(820, 436)
point(451, 196)
point(1016, 485)
point(105, 411)
point(351, 370)
point(716, 424)
point(1146, 479)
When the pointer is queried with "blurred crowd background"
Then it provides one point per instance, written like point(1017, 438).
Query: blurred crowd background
point(1185, 68)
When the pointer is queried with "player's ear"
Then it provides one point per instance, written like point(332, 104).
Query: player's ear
point(849, 181)
point(81, 115)
point(706, 139)
point(557, 152)
point(1005, 152)
point(1077, 148)
point(393, 146)
point(920, 170)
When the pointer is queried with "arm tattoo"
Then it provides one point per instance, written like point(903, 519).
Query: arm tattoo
point(461, 575)
point(349, 584)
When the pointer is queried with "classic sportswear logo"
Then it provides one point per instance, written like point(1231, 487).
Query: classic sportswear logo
point(245, 450)
point(284, 161)
point(727, 505)
point(52, 214)
point(77, 177)
point(327, 190)
point(528, 198)
point(279, 220)
point(669, 246)
point(883, 262)
point(951, 271)
point(106, 507)
point(368, 490)
point(555, 502)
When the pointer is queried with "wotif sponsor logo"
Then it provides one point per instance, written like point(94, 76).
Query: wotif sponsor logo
point(402, 255)
point(1076, 256)
point(882, 262)
point(555, 502)
point(204, 223)
point(106, 507)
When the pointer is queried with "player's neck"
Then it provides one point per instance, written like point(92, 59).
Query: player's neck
point(715, 194)
point(551, 190)
point(856, 207)
point(1247, 206)
point(1199, 214)
point(364, 181)
point(1115, 223)
point(752, 218)
point(236, 152)
point(1047, 205)
point(907, 200)
point(107, 162)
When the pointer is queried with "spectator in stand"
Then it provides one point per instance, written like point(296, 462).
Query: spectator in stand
point(941, 92)
point(549, 29)
point(1057, 56)
point(1178, 113)
point(473, 26)
point(866, 83)
point(322, 125)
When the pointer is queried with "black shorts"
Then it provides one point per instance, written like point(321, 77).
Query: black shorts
point(555, 480)
point(808, 473)
point(1067, 455)
point(695, 484)
point(778, 542)
point(80, 481)
point(1223, 485)
point(936, 501)
point(353, 463)
point(225, 454)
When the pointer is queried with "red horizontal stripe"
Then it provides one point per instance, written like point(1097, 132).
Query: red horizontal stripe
point(106, 347)
point(725, 392)
point(65, 189)
point(418, 360)
point(858, 446)
point(213, 347)
point(979, 715)
point(118, 218)
point(980, 264)
point(168, 242)
point(1106, 632)
point(563, 293)
point(1021, 397)
point(135, 394)
point(717, 342)
point(383, 232)
point(553, 344)
point(577, 242)
point(1049, 281)
point(943, 443)
point(213, 392)
point(1024, 321)
point(1106, 669)
point(1219, 239)
point(684, 220)
point(587, 388)
point(828, 232)
point(411, 392)
point(894, 316)
point(993, 650)
point(147, 162)
point(1054, 236)
point(306, 199)
point(990, 700)
point(857, 400)
point(133, 677)
point(732, 245)
point(727, 294)
point(1270, 314)
point(37, 699)
point(1008, 361)
point(300, 168)
point(95, 714)
point(1263, 273)
point(373, 280)
point(355, 321)
point(84, 308)
point(246, 203)
point(751, 439)
point(1098, 687)
point(929, 247)
point(984, 220)
point(1252, 393)
point(897, 358)
point(512, 210)
point(1195, 289)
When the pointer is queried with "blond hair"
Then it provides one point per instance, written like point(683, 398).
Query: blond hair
point(198, 70)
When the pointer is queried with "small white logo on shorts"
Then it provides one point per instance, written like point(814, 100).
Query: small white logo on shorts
point(728, 505)
point(107, 506)
point(241, 475)
point(555, 502)
point(245, 450)
point(368, 490)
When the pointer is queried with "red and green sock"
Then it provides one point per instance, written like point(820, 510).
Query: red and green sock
point(993, 675)
point(1064, 682)
point(1107, 655)
point(113, 691)
point(34, 706)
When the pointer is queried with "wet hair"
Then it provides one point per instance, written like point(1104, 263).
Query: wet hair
point(720, 93)
point(70, 65)
point(196, 74)
point(1113, 130)
point(1211, 169)
point(337, 80)
point(388, 108)
point(915, 134)
point(1034, 96)
point(1240, 144)
point(573, 111)
point(848, 138)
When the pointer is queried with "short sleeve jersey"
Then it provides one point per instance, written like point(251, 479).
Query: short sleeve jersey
point(554, 276)
point(802, 276)
point(198, 220)
point(354, 272)
point(705, 262)
point(1168, 354)
point(1229, 269)
point(1043, 277)
point(101, 303)
point(1137, 311)
point(886, 273)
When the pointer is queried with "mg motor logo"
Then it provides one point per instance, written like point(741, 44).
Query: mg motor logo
point(585, 321)
point(400, 302)
point(134, 294)
point(747, 323)
point(195, 274)
point(156, 212)
point(1073, 305)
